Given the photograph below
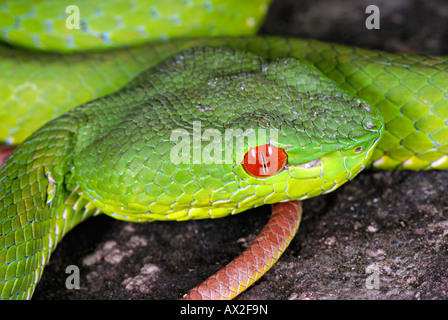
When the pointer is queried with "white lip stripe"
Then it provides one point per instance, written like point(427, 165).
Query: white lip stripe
point(378, 162)
point(439, 162)
point(311, 164)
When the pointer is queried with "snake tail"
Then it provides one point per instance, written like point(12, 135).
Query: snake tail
point(5, 152)
point(256, 260)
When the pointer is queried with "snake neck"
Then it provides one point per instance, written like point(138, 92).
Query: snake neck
point(37, 208)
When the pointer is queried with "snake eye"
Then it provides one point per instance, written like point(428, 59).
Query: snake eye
point(264, 161)
point(358, 150)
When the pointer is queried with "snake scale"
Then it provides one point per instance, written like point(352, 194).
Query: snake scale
point(336, 110)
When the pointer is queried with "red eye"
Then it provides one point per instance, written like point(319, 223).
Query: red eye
point(264, 161)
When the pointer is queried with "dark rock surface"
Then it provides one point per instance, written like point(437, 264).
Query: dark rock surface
point(395, 223)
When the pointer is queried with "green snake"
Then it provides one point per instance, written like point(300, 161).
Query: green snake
point(330, 110)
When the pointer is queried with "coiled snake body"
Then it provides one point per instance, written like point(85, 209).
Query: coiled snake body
point(329, 110)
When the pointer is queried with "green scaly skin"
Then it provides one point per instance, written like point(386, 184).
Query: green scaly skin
point(112, 155)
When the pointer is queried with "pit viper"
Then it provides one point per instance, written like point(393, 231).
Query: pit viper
point(191, 127)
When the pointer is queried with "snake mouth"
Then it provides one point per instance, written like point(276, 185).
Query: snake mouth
point(311, 169)
point(328, 172)
point(305, 171)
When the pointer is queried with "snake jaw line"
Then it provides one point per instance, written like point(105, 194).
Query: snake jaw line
point(311, 164)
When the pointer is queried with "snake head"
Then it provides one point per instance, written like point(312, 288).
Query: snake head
point(179, 139)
